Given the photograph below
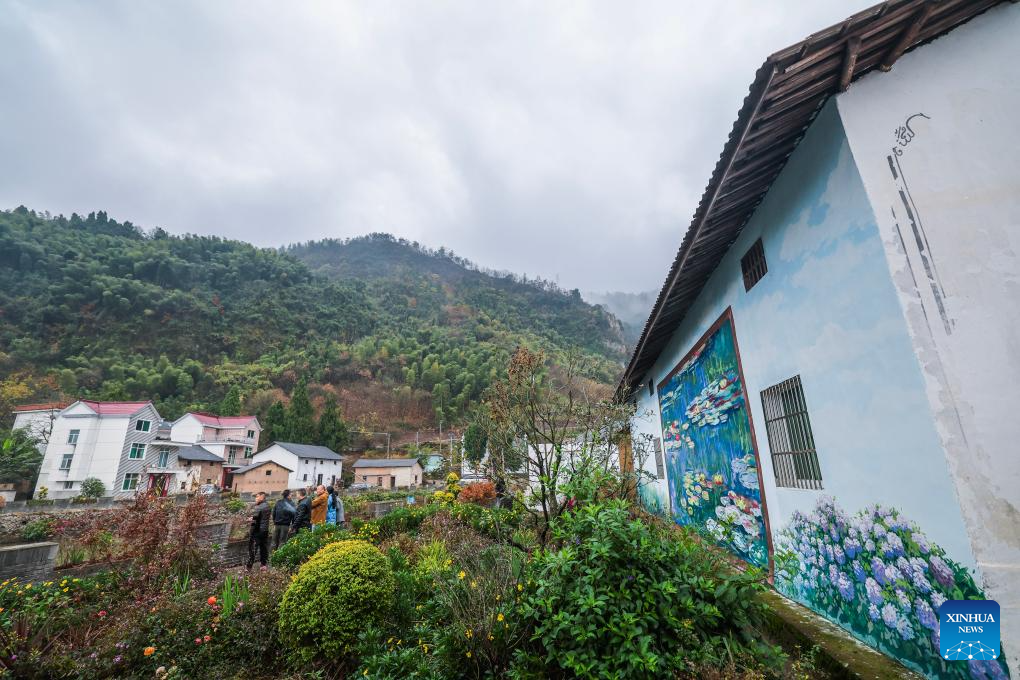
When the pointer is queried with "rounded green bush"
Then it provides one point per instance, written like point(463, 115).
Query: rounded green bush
point(344, 588)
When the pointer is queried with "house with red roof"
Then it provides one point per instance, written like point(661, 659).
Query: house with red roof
point(232, 438)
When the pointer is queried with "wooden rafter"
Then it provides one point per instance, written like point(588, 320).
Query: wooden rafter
point(853, 48)
point(909, 35)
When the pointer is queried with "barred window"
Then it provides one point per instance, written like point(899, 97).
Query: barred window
point(660, 467)
point(794, 458)
point(753, 265)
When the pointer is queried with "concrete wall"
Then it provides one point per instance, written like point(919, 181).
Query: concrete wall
point(936, 141)
point(269, 478)
point(828, 311)
point(29, 562)
point(403, 476)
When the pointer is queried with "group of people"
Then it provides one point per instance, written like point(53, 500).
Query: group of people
point(321, 506)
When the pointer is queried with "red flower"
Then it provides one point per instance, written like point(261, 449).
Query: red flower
point(212, 599)
point(102, 613)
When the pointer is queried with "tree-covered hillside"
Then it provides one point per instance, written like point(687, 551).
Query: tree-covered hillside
point(401, 336)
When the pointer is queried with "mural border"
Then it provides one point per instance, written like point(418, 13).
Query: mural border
point(726, 316)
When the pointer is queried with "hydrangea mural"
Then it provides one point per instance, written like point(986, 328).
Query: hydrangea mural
point(711, 464)
point(877, 575)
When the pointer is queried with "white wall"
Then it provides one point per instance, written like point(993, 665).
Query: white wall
point(959, 170)
point(186, 429)
point(314, 467)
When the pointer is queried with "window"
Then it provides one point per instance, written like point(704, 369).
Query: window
point(305, 479)
point(247, 452)
point(68, 485)
point(660, 467)
point(208, 480)
point(753, 265)
point(137, 451)
point(65, 461)
point(251, 434)
point(142, 425)
point(72, 436)
point(164, 458)
point(269, 473)
point(794, 458)
point(306, 462)
point(130, 482)
point(231, 456)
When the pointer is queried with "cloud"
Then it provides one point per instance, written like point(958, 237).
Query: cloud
point(562, 139)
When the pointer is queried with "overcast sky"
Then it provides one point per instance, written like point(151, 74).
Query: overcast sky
point(563, 139)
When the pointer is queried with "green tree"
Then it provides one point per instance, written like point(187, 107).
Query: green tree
point(475, 440)
point(231, 404)
point(19, 457)
point(332, 430)
point(93, 487)
point(274, 425)
point(300, 424)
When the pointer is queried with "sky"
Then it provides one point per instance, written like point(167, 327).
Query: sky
point(568, 140)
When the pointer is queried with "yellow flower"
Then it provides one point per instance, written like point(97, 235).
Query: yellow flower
point(497, 598)
point(474, 584)
point(500, 617)
point(425, 648)
point(468, 633)
point(74, 580)
point(520, 587)
point(149, 651)
point(491, 637)
point(65, 590)
point(461, 575)
point(28, 587)
point(467, 654)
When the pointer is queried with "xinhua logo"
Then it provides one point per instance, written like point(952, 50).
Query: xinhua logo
point(969, 630)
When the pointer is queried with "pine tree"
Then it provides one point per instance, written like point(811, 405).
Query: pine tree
point(475, 441)
point(332, 430)
point(300, 427)
point(231, 404)
point(274, 426)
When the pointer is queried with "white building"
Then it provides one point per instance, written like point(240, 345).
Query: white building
point(106, 440)
point(37, 419)
point(232, 438)
point(311, 464)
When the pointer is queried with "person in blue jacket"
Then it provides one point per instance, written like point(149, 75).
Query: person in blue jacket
point(334, 507)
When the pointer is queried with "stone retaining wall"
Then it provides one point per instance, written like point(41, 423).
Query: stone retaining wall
point(30, 562)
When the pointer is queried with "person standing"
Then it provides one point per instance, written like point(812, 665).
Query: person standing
point(283, 517)
point(302, 513)
point(259, 536)
point(334, 507)
point(319, 505)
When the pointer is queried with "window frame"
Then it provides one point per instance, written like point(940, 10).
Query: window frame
point(65, 462)
point(792, 445)
point(754, 265)
point(140, 422)
point(135, 450)
point(68, 485)
point(163, 457)
point(130, 477)
point(72, 437)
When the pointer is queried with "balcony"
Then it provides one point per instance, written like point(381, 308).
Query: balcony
point(228, 439)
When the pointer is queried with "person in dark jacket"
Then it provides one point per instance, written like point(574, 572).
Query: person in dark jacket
point(283, 517)
point(302, 513)
point(259, 536)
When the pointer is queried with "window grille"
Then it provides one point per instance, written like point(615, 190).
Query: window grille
point(660, 467)
point(753, 265)
point(164, 458)
point(794, 458)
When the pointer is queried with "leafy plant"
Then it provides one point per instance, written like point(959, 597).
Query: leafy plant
point(38, 529)
point(480, 493)
point(343, 588)
point(615, 583)
point(302, 545)
point(233, 594)
point(234, 505)
point(92, 487)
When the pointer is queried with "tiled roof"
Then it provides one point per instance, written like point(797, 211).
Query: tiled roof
point(249, 468)
point(198, 453)
point(310, 451)
point(116, 408)
point(386, 462)
point(221, 421)
point(48, 406)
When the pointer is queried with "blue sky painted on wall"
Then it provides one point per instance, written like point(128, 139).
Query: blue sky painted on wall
point(827, 311)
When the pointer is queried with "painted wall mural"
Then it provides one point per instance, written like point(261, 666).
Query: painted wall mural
point(711, 463)
point(877, 575)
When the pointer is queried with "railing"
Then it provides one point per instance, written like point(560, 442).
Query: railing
point(227, 439)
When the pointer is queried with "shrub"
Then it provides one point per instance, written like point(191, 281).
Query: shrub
point(479, 493)
point(92, 488)
point(655, 599)
point(37, 530)
point(343, 588)
point(234, 505)
point(302, 545)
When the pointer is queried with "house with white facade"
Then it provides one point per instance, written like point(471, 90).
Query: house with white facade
point(111, 441)
point(828, 377)
point(37, 420)
point(309, 464)
point(232, 438)
point(389, 473)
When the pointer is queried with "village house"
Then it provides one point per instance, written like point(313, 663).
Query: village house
point(200, 466)
point(267, 476)
point(310, 465)
point(38, 419)
point(829, 374)
point(232, 438)
point(389, 473)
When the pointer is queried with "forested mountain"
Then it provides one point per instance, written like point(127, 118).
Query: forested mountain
point(632, 309)
point(403, 336)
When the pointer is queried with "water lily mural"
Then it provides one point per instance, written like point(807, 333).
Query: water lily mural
point(711, 462)
point(877, 575)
